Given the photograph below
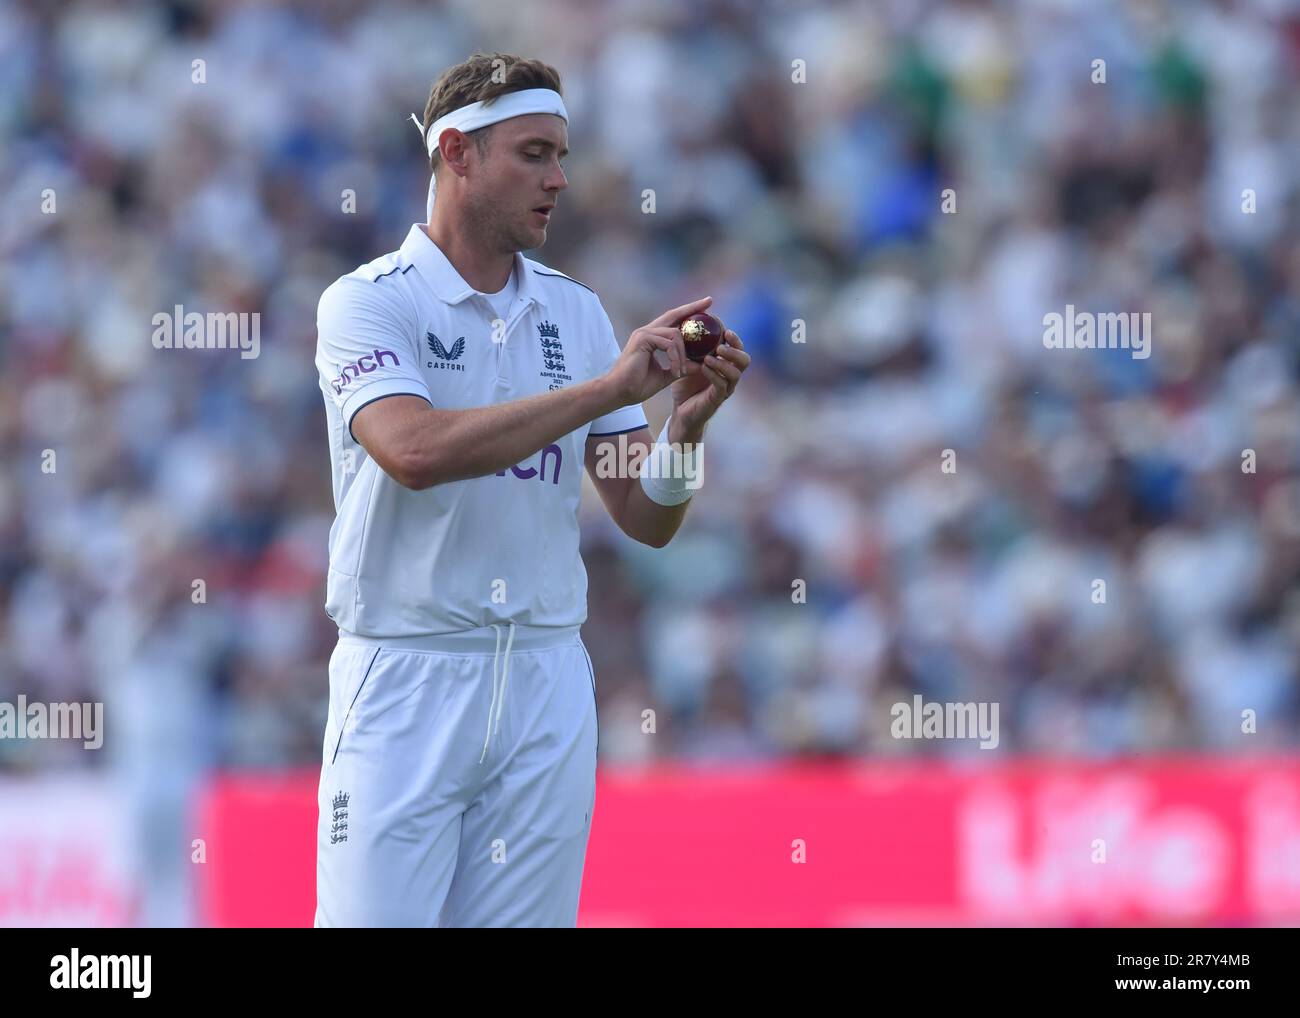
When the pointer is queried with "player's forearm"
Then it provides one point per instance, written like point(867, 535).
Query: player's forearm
point(649, 522)
point(453, 445)
point(645, 520)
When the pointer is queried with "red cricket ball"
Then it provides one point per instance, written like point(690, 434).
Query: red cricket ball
point(701, 334)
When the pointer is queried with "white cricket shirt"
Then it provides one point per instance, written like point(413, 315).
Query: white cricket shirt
point(468, 553)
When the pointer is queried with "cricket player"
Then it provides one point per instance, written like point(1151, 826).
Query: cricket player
point(466, 388)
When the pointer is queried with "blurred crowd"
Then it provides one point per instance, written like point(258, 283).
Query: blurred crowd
point(909, 494)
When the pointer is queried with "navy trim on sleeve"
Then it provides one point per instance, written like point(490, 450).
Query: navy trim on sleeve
point(606, 434)
point(555, 274)
point(376, 400)
point(395, 268)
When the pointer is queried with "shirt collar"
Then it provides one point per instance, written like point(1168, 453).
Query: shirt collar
point(446, 282)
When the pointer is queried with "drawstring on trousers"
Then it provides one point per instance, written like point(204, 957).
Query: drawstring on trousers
point(505, 677)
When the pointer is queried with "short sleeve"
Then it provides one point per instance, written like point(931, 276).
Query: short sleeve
point(627, 418)
point(365, 346)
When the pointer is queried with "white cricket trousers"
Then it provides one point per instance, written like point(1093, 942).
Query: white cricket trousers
point(458, 779)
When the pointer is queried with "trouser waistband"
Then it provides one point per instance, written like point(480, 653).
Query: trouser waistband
point(483, 640)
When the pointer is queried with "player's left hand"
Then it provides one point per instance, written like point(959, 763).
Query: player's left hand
point(697, 397)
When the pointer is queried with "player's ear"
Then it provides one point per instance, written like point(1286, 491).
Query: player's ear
point(452, 146)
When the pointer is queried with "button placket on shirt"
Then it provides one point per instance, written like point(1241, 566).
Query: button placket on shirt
point(516, 314)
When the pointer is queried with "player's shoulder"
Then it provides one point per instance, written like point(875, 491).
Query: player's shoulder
point(382, 271)
point(553, 281)
point(375, 284)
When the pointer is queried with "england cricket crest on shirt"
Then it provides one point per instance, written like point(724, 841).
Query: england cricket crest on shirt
point(339, 829)
point(552, 354)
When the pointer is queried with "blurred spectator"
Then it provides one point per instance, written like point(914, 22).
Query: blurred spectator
point(830, 566)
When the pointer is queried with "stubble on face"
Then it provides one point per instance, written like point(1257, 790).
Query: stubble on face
point(488, 217)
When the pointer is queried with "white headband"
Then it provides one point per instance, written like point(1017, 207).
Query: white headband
point(484, 114)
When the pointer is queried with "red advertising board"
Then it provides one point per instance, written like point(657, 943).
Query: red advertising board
point(1196, 841)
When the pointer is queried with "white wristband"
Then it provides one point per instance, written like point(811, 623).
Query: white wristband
point(670, 475)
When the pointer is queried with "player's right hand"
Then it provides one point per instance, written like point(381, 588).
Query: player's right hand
point(655, 356)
